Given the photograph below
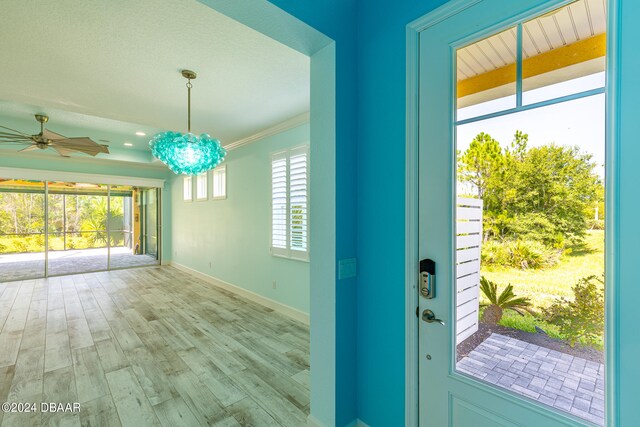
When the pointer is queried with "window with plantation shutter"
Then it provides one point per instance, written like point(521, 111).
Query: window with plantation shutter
point(290, 203)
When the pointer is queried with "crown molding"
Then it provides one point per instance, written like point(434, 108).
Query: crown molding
point(273, 130)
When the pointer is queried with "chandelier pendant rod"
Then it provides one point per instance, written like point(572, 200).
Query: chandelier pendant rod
point(189, 106)
point(189, 75)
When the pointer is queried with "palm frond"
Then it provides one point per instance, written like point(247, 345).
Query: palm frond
point(489, 289)
point(507, 299)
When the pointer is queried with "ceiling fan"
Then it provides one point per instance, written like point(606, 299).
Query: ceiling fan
point(47, 139)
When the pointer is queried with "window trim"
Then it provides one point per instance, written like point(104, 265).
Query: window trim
point(287, 252)
point(221, 170)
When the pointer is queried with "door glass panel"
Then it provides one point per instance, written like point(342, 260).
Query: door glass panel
point(564, 51)
point(151, 222)
point(530, 240)
point(22, 231)
point(486, 75)
point(134, 230)
point(77, 227)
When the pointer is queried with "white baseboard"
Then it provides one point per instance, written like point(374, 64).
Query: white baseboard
point(313, 422)
point(293, 313)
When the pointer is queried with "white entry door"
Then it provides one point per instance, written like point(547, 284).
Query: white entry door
point(530, 385)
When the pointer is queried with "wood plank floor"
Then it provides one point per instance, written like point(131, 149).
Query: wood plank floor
point(149, 347)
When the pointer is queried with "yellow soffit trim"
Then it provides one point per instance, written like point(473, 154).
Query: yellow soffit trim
point(574, 53)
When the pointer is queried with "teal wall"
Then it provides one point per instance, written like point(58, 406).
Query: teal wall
point(382, 129)
point(46, 161)
point(229, 239)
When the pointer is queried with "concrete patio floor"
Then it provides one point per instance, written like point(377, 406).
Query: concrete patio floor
point(31, 265)
point(565, 382)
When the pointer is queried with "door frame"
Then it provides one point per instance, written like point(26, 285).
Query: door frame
point(413, 30)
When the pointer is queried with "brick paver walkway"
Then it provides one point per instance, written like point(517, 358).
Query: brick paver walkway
point(560, 380)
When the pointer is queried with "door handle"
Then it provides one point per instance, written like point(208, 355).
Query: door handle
point(430, 317)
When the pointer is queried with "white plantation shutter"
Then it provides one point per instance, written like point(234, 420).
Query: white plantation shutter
point(279, 204)
point(290, 203)
point(187, 192)
point(220, 182)
point(298, 224)
point(201, 186)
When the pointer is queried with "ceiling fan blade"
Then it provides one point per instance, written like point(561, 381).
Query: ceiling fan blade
point(12, 134)
point(64, 152)
point(82, 144)
point(16, 131)
point(13, 139)
point(47, 134)
point(29, 148)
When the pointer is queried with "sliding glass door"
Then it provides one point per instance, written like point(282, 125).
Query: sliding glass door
point(22, 229)
point(56, 228)
point(78, 232)
point(136, 239)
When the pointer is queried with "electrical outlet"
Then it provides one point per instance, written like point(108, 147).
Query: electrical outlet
point(209, 264)
point(274, 284)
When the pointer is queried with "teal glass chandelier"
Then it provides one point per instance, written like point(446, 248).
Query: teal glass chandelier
point(187, 154)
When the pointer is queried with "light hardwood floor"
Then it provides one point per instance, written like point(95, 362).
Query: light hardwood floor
point(149, 347)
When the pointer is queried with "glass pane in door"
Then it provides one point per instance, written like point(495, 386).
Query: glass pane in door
point(486, 75)
point(22, 231)
point(78, 219)
point(564, 51)
point(134, 231)
point(530, 236)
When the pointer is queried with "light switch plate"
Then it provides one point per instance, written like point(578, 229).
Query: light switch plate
point(347, 268)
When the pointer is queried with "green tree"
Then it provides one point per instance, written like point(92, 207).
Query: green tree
point(482, 164)
point(554, 183)
point(543, 193)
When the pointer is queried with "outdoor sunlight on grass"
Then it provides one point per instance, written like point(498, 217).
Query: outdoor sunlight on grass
point(542, 286)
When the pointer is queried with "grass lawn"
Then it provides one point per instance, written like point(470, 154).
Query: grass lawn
point(543, 286)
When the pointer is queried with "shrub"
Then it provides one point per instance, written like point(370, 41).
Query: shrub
point(583, 318)
point(520, 253)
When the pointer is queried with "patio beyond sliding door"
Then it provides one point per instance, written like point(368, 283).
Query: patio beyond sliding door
point(78, 232)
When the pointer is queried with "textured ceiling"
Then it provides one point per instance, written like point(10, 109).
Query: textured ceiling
point(120, 60)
